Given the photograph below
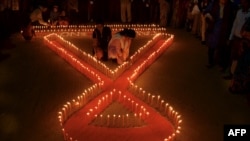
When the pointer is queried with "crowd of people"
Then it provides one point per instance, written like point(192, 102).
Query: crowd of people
point(163, 12)
point(222, 26)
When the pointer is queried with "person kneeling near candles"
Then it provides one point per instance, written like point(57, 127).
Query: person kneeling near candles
point(119, 45)
point(101, 37)
point(36, 17)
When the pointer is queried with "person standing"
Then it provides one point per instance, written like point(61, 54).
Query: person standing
point(164, 11)
point(125, 11)
point(154, 11)
point(219, 18)
point(101, 37)
point(113, 14)
point(203, 26)
point(235, 37)
point(240, 83)
point(72, 8)
point(91, 4)
point(54, 15)
point(196, 18)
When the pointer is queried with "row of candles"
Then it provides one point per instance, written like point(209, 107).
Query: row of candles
point(155, 100)
point(75, 104)
point(79, 30)
point(72, 59)
point(86, 57)
point(144, 48)
point(92, 26)
point(70, 107)
point(78, 103)
point(98, 64)
point(119, 121)
point(76, 33)
point(109, 25)
point(152, 30)
point(149, 59)
point(160, 105)
point(134, 118)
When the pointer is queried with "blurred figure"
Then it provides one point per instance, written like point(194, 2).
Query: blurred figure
point(240, 83)
point(164, 12)
point(101, 37)
point(154, 11)
point(4, 32)
point(63, 19)
point(36, 16)
point(196, 18)
point(113, 13)
point(175, 16)
point(126, 11)
point(72, 10)
point(219, 18)
point(28, 32)
point(119, 45)
point(136, 10)
point(91, 10)
point(203, 25)
point(54, 15)
point(189, 18)
point(235, 37)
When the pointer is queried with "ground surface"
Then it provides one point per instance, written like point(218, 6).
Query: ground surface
point(35, 83)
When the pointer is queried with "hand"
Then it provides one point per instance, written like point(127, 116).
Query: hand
point(47, 24)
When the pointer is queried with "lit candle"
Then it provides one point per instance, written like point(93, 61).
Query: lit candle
point(149, 97)
point(101, 119)
point(124, 97)
point(132, 104)
point(127, 119)
point(140, 114)
point(162, 101)
point(158, 99)
point(108, 116)
point(122, 120)
point(119, 120)
point(152, 99)
point(111, 95)
point(114, 119)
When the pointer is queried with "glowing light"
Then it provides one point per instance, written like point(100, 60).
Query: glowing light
point(81, 61)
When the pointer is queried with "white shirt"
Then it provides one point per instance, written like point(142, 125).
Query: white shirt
point(36, 15)
point(239, 21)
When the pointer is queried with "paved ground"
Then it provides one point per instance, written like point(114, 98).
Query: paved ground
point(35, 83)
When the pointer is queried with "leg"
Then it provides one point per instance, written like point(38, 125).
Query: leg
point(203, 28)
point(123, 12)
